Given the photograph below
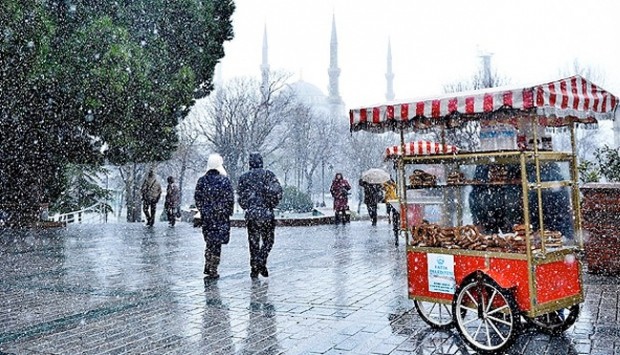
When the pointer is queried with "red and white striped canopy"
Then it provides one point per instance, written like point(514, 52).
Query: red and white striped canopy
point(557, 103)
point(420, 148)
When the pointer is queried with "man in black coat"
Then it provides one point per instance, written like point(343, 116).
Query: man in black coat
point(215, 199)
point(373, 194)
point(259, 193)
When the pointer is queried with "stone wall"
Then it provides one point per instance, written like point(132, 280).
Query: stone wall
point(601, 223)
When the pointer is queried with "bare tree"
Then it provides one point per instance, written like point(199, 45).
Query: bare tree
point(366, 150)
point(467, 136)
point(484, 78)
point(240, 117)
point(188, 157)
point(589, 72)
point(132, 175)
point(311, 138)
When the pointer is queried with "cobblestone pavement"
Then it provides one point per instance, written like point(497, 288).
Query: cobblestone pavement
point(126, 288)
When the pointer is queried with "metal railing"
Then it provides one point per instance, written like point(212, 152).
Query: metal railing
point(94, 214)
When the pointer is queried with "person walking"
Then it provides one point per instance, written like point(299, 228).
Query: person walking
point(259, 192)
point(215, 199)
point(172, 202)
point(151, 192)
point(393, 213)
point(340, 192)
point(373, 194)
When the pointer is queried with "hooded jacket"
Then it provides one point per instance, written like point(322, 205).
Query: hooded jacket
point(340, 192)
point(259, 190)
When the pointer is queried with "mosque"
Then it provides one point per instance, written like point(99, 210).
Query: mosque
point(330, 104)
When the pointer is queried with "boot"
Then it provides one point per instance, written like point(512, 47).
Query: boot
point(263, 270)
point(207, 269)
point(215, 262)
point(171, 221)
point(254, 268)
point(210, 270)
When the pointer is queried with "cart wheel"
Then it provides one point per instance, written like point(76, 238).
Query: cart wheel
point(556, 322)
point(437, 315)
point(485, 314)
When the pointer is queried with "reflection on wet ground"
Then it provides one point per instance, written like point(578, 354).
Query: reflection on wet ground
point(125, 288)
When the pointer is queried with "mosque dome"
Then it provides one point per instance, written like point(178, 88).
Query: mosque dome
point(310, 95)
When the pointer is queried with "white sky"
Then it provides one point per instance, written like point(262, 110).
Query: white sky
point(434, 42)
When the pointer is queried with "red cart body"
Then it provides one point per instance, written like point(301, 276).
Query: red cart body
point(553, 283)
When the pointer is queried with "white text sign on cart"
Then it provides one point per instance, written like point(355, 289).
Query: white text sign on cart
point(441, 273)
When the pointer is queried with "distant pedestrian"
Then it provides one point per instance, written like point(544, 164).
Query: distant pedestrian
point(390, 195)
point(172, 202)
point(392, 213)
point(340, 192)
point(151, 192)
point(259, 193)
point(215, 199)
point(373, 194)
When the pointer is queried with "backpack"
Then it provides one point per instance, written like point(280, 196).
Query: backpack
point(273, 190)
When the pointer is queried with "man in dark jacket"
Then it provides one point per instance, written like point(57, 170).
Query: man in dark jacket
point(373, 194)
point(215, 199)
point(151, 192)
point(259, 193)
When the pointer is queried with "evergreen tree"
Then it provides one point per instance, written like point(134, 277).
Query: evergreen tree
point(82, 81)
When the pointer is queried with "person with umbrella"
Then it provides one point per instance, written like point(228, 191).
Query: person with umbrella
point(371, 182)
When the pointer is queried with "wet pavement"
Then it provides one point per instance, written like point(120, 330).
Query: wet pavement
point(126, 288)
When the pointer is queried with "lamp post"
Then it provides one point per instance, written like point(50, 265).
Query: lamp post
point(323, 182)
point(330, 169)
point(107, 191)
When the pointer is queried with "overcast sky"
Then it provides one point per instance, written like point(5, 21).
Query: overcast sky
point(433, 42)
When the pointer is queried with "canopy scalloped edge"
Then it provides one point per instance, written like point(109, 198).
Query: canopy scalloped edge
point(556, 104)
point(420, 148)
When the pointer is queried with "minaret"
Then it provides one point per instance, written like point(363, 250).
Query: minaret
point(389, 76)
point(336, 105)
point(264, 67)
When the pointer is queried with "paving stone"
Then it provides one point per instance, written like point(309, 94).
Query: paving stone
point(124, 288)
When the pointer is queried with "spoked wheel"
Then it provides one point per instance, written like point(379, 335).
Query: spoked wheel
point(437, 315)
point(486, 315)
point(557, 321)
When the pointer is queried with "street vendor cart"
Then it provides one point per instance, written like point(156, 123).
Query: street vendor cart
point(503, 248)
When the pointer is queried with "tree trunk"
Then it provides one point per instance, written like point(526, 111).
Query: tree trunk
point(182, 177)
point(132, 196)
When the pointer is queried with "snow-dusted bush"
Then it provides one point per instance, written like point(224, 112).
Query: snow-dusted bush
point(608, 160)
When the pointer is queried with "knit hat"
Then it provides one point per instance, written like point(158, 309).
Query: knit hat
point(216, 162)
